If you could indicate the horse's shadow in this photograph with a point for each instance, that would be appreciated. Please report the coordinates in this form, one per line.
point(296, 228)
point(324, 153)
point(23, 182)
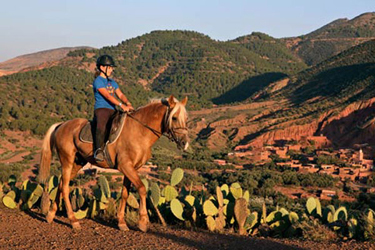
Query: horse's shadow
point(41, 217)
point(221, 241)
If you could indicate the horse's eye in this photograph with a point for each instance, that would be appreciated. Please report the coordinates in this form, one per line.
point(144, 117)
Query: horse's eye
point(174, 118)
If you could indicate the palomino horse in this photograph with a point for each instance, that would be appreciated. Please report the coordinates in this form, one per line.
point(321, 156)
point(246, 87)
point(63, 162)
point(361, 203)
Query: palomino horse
point(129, 152)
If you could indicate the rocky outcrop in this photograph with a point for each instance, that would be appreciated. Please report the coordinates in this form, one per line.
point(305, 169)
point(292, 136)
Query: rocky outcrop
point(342, 129)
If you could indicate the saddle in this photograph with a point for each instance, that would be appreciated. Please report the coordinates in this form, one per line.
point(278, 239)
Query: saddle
point(114, 126)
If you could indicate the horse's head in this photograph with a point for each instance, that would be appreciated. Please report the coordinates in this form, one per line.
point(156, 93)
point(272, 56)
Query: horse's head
point(176, 119)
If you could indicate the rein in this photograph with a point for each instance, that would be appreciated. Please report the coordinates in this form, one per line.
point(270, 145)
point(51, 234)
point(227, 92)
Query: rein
point(171, 133)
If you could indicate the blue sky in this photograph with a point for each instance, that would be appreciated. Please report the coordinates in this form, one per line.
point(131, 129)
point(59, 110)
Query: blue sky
point(30, 26)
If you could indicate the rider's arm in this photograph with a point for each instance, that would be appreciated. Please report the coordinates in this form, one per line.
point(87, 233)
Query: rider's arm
point(104, 92)
point(122, 97)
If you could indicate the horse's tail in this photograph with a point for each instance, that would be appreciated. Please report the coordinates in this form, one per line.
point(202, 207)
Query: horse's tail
point(45, 164)
point(46, 154)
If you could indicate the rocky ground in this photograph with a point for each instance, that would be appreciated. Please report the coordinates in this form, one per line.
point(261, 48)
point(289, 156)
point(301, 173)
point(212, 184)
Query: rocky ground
point(21, 230)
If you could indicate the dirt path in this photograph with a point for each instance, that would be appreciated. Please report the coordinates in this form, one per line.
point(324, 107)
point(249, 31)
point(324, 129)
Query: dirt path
point(20, 230)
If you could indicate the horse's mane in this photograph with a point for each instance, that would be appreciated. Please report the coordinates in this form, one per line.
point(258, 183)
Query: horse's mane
point(155, 104)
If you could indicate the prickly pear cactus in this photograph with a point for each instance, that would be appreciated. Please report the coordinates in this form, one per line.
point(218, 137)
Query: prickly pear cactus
point(12, 180)
point(246, 195)
point(318, 207)
point(80, 214)
point(35, 195)
point(225, 189)
point(132, 201)
point(9, 199)
point(340, 214)
point(293, 217)
point(240, 212)
point(154, 193)
point(145, 183)
point(311, 205)
point(190, 200)
point(251, 220)
point(209, 208)
point(220, 198)
point(211, 224)
point(177, 176)
point(93, 208)
point(170, 193)
point(53, 183)
point(104, 186)
point(236, 190)
point(352, 227)
point(264, 214)
point(177, 209)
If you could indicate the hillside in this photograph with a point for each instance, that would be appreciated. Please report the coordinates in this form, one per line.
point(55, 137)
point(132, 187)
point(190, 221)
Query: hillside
point(187, 63)
point(30, 60)
point(330, 98)
point(332, 38)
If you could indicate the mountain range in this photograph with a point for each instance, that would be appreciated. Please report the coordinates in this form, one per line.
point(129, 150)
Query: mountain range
point(267, 88)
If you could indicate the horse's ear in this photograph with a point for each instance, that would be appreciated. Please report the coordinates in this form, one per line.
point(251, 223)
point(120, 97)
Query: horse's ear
point(184, 101)
point(171, 101)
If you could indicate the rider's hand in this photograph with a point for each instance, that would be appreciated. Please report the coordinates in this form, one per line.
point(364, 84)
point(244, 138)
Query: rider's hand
point(126, 108)
point(130, 107)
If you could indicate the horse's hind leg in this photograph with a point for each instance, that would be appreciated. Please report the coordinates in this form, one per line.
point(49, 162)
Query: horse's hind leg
point(121, 208)
point(55, 205)
point(67, 166)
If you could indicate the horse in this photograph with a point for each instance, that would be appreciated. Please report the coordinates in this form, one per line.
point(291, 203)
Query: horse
point(142, 128)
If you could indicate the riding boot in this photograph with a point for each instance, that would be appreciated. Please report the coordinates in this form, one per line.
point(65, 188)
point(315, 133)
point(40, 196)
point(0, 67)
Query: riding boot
point(99, 146)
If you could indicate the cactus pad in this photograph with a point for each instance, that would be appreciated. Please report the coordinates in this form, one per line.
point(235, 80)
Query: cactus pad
point(211, 224)
point(170, 193)
point(177, 176)
point(132, 201)
point(155, 193)
point(177, 209)
point(236, 190)
point(311, 205)
point(209, 208)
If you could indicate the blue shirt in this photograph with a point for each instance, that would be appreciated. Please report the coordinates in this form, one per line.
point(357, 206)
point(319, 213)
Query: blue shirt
point(110, 85)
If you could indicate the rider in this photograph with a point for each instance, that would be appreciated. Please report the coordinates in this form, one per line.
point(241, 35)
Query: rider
point(105, 89)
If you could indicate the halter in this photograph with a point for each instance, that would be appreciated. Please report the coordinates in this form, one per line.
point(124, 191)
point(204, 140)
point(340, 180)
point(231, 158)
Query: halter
point(169, 133)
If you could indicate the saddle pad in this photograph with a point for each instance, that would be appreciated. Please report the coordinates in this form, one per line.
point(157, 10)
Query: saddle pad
point(86, 134)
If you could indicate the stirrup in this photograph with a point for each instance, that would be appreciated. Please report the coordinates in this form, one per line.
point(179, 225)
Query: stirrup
point(99, 155)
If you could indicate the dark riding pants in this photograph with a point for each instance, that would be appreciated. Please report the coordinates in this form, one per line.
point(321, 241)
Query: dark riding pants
point(101, 117)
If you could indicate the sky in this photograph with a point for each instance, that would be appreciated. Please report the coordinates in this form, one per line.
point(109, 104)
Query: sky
point(31, 26)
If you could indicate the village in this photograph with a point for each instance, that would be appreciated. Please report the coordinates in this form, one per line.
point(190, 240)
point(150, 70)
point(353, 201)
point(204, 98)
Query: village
point(348, 164)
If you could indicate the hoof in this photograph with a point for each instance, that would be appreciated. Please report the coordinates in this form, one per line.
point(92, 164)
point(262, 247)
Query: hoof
point(143, 227)
point(76, 225)
point(49, 217)
point(123, 227)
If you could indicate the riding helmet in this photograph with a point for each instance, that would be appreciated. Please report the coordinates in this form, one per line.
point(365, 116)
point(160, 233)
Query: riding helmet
point(105, 60)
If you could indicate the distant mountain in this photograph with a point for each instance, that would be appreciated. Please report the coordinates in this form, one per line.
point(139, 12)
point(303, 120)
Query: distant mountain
point(190, 63)
point(30, 60)
point(346, 76)
point(332, 38)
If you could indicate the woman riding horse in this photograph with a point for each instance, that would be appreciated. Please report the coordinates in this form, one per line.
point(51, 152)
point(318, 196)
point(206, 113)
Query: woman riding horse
point(105, 89)
point(129, 152)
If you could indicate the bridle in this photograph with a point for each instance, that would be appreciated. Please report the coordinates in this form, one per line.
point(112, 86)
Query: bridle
point(170, 133)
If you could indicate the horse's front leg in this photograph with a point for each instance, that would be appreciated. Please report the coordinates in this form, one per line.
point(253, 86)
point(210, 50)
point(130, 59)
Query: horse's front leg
point(133, 177)
point(121, 209)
